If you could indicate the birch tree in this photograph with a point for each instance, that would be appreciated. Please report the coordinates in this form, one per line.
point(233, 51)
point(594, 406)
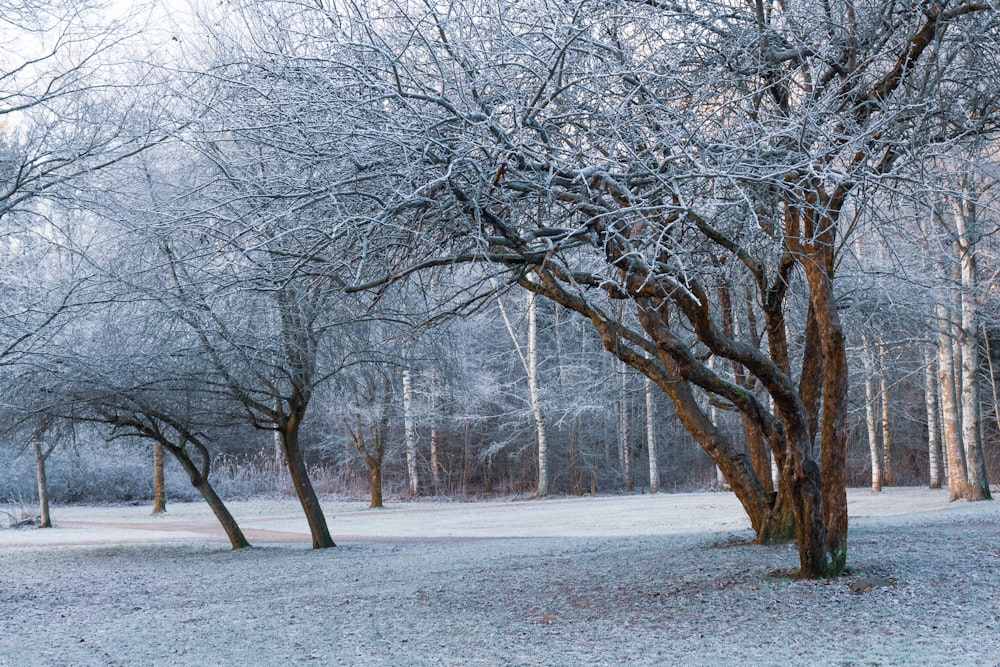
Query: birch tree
point(528, 355)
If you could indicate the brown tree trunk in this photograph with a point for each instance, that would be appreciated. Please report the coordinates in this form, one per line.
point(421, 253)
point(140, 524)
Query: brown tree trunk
point(825, 554)
point(45, 520)
point(303, 485)
point(759, 458)
point(200, 482)
point(159, 492)
point(375, 484)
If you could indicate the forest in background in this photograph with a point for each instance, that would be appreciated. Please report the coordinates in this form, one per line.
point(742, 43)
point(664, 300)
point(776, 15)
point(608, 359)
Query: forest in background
point(540, 248)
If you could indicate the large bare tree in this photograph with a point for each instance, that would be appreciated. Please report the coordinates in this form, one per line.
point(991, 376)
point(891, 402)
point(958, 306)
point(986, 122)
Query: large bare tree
point(653, 152)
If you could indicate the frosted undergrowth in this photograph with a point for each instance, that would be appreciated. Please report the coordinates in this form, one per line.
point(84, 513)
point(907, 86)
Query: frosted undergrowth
point(596, 581)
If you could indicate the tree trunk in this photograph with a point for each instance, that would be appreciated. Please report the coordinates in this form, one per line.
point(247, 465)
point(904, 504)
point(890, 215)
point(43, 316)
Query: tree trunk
point(957, 476)
point(529, 361)
point(45, 520)
point(303, 485)
point(435, 462)
point(871, 421)
point(219, 509)
point(886, 435)
point(542, 489)
point(375, 484)
point(159, 491)
point(933, 432)
point(825, 554)
point(624, 455)
point(654, 473)
point(410, 435)
point(978, 487)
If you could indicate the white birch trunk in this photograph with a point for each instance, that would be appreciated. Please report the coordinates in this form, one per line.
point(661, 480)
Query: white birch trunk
point(654, 473)
point(410, 435)
point(435, 463)
point(886, 440)
point(978, 488)
point(624, 460)
point(933, 432)
point(950, 421)
point(536, 404)
point(529, 361)
point(279, 453)
point(871, 419)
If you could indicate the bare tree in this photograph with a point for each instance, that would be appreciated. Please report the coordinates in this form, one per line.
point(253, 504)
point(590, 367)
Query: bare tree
point(662, 169)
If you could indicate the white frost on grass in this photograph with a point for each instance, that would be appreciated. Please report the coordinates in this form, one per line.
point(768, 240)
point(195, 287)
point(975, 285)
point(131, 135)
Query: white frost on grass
point(654, 580)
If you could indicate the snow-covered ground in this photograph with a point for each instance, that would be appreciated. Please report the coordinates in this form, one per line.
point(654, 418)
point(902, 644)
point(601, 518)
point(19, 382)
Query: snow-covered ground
point(652, 580)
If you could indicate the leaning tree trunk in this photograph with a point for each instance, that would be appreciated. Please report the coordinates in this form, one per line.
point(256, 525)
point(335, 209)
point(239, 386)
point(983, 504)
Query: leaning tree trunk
point(768, 517)
point(200, 481)
point(295, 459)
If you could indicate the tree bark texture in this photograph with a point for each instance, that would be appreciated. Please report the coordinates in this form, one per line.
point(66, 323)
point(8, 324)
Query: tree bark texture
point(933, 431)
point(410, 435)
point(871, 419)
point(654, 474)
point(978, 483)
point(950, 420)
point(886, 432)
point(159, 490)
point(542, 488)
point(41, 479)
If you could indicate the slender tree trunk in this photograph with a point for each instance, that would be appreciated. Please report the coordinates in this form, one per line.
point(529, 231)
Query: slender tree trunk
point(654, 473)
point(542, 489)
point(871, 419)
point(957, 477)
point(886, 435)
point(933, 432)
point(978, 487)
point(410, 434)
point(529, 361)
point(993, 377)
point(435, 462)
point(303, 485)
point(624, 455)
point(159, 490)
point(45, 520)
